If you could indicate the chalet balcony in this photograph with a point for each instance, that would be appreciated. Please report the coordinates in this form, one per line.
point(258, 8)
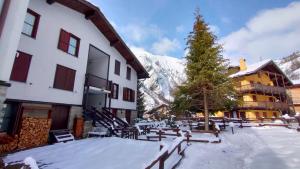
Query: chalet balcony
point(264, 105)
point(97, 82)
point(260, 88)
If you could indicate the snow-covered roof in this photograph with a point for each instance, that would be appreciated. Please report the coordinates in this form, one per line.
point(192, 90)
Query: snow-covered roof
point(252, 68)
point(296, 82)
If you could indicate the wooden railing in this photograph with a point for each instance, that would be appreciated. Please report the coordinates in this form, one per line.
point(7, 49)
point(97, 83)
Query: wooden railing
point(261, 88)
point(165, 153)
point(96, 81)
point(265, 105)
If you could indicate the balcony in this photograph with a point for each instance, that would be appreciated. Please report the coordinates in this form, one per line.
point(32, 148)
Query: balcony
point(260, 88)
point(96, 81)
point(264, 105)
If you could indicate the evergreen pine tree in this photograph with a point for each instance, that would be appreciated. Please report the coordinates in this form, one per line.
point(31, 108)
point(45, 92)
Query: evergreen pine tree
point(140, 100)
point(206, 71)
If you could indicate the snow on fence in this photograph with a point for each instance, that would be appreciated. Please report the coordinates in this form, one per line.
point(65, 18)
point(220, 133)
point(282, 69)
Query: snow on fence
point(168, 156)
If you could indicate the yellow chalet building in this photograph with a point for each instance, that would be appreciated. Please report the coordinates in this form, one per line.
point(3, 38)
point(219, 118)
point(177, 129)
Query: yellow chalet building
point(263, 90)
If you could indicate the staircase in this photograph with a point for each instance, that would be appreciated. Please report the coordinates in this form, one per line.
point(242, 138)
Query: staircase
point(106, 119)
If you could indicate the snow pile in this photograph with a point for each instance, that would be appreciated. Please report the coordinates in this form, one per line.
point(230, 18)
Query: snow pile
point(165, 74)
point(92, 153)
point(29, 161)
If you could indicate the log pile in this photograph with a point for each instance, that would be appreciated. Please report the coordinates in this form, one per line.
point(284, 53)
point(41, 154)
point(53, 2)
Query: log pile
point(10, 145)
point(34, 132)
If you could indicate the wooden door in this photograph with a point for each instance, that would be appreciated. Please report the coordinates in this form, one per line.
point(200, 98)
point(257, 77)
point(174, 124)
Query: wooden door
point(243, 115)
point(60, 117)
point(128, 116)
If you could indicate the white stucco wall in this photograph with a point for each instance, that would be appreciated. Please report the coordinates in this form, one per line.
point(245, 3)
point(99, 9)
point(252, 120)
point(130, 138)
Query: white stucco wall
point(46, 56)
point(11, 35)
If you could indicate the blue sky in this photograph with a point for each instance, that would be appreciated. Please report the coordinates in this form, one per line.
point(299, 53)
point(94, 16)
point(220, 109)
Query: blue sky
point(247, 28)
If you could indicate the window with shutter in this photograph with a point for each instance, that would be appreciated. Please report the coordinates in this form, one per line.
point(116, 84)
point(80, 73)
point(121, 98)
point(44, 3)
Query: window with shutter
point(125, 94)
point(115, 91)
point(31, 23)
point(64, 78)
point(132, 96)
point(68, 43)
point(128, 73)
point(117, 67)
point(21, 67)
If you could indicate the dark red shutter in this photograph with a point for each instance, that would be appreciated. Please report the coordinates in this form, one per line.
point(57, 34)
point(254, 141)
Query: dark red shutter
point(77, 46)
point(70, 79)
point(36, 22)
point(60, 74)
point(21, 67)
point(124, 93)
point(64, 39)
point(132, 95)
point(64, 78)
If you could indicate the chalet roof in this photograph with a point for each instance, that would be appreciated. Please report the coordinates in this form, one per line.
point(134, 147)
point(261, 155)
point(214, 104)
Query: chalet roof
point(251, 68)
point(156, 108)
point(94, 14)
point(267, 64)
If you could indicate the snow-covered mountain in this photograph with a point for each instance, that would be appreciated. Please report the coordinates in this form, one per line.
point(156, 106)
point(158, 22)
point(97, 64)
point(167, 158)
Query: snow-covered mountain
point(165, 74)
point(168, 72)
point(291, 65)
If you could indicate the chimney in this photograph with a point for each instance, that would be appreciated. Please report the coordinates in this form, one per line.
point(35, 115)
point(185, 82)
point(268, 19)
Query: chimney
point(243, 65)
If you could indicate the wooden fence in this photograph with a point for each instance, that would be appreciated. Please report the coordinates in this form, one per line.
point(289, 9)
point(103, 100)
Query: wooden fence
point(165, 154)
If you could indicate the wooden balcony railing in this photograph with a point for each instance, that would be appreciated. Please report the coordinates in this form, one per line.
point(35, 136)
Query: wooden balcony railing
point(261, 88)
point(265, 105)
point(96, 81)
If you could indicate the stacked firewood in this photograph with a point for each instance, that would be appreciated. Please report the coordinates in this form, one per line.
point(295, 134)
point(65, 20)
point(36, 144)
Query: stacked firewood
point(34, 132)
point(9, 145)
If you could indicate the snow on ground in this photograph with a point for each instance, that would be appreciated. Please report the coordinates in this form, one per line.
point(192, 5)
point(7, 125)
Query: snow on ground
point(248, 148)
point(92, 153)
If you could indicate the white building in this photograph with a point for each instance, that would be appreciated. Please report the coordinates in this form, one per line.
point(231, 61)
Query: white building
point(58, 57)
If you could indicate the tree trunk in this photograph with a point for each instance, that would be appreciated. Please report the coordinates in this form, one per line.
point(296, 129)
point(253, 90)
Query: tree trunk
point(205, 110)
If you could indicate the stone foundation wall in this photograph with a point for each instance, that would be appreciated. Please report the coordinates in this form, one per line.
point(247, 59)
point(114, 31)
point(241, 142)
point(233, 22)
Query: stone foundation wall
point(133, 116)
point(75, 111)
point(88, 125)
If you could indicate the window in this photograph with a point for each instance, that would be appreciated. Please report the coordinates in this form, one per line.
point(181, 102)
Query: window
point(31, 23)
point(128, 73)
point(257, 115)
point(254, 98)
point(271, 99)
point(117, 67)
point(68, 43)
point(265, 114)
point(64, 78)
point(115, 91)
point(21, 67)
point(275, 114)
point(128, 94)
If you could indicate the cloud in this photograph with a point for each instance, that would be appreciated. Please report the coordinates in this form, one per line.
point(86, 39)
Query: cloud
point(271, 33)
point(140, 32)
point(214, 29)
point(165, 45)
point(179, 28)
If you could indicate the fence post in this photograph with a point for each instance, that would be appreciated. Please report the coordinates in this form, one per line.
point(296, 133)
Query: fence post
point(161, 147)
point(179, 148)
point(162, 162)
point(159, 135)
point(187, 137)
